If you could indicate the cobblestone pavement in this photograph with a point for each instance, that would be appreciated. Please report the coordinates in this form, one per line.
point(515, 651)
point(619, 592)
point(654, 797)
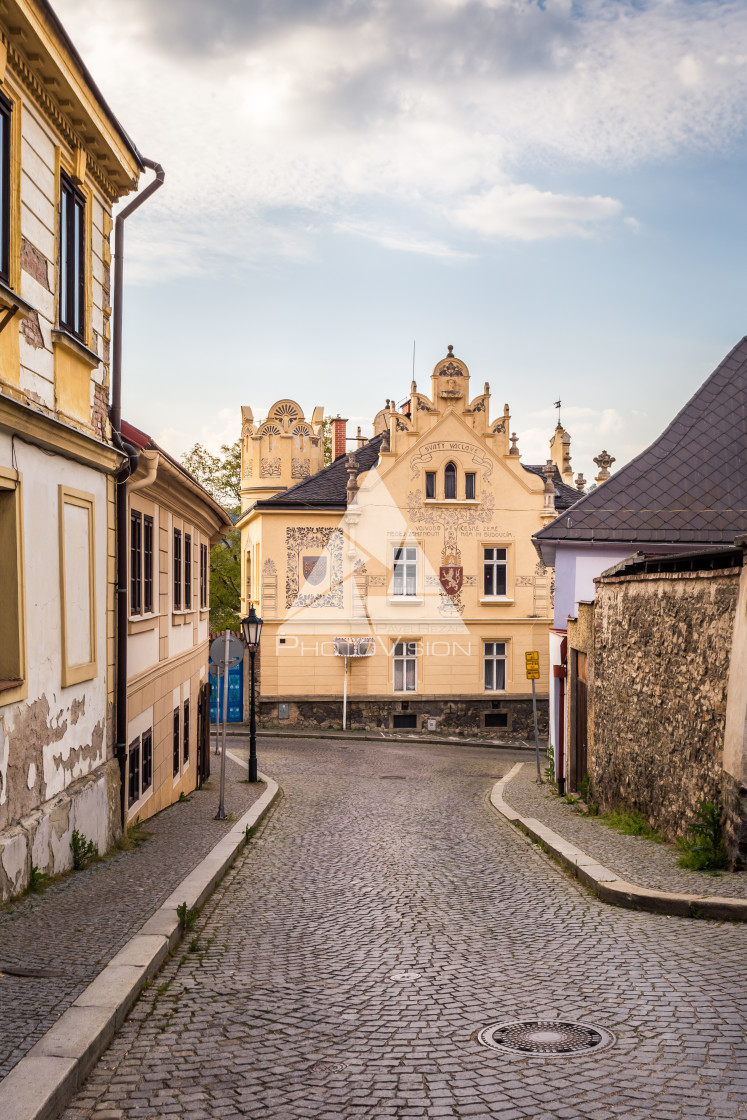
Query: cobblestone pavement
point(81, 921)
point(382, 915)
point(641, 861)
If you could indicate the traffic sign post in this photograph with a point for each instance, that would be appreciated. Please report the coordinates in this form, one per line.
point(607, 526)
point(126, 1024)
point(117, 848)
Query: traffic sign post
point(533, 672)
point(226, 653)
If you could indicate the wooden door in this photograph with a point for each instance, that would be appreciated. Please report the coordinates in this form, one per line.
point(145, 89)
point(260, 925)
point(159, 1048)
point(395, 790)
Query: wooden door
point(581, 716)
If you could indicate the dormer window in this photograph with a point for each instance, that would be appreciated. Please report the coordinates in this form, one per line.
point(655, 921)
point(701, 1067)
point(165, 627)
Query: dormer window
point(450, 475)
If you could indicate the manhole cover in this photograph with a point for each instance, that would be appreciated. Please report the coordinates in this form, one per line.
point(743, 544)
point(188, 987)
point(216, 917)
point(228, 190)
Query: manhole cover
point(404, 974)
point(545, 1036)
point(328, 1067)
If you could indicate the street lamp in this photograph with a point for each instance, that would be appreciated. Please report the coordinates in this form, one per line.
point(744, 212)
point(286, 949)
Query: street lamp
point(252, 629)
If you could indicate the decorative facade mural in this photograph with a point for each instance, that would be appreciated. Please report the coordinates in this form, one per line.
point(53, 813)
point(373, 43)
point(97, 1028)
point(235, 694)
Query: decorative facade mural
point(310, 540)
point(300, 468)
point(270, 468)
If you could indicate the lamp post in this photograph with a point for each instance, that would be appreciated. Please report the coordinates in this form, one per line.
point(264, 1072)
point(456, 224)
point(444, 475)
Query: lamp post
point(252, 630)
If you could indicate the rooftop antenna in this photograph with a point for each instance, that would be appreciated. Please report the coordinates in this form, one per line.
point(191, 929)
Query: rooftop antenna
point(557, 405)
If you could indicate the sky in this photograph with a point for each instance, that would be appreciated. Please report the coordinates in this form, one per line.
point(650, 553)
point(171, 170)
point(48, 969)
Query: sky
point(554, 187)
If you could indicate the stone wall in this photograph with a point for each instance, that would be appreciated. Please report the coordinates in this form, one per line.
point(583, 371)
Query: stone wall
point(657, 690)
point(461, 716)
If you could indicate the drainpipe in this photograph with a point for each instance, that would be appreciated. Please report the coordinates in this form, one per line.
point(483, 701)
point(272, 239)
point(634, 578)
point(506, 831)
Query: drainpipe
point(115, 417)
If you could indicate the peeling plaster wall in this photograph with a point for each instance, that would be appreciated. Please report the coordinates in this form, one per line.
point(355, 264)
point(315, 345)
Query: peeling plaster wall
point(56, 737)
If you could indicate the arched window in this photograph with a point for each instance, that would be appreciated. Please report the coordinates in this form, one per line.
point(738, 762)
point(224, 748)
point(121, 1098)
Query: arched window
point(450, 481)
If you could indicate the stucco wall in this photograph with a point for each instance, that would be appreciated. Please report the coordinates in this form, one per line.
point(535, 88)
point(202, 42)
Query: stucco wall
point(658, 683)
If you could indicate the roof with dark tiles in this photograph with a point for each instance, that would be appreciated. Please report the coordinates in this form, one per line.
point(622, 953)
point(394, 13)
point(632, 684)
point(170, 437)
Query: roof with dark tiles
point(688, 487)
point(327, 487)
point(565, 495)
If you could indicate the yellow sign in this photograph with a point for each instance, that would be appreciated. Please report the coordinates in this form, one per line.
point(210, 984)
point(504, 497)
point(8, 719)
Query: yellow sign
point(532, 661)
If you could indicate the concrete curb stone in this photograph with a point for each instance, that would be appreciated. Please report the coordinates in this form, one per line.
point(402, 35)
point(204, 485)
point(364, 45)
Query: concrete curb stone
point(607, 884)
point(44, 1081)
point(241, 731)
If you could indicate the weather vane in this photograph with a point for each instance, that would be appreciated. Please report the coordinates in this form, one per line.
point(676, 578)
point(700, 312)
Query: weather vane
point(557, 405)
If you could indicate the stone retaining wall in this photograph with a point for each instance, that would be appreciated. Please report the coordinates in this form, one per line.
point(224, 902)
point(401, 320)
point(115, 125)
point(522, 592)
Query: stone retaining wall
point(658, 686)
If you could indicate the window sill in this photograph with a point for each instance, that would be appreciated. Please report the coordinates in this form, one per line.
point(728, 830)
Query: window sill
point(137, 623)
point(451, 501)
point(496, 600)
point(405, 600)
point(178, 618)
point(67, 341)
point(11, 301)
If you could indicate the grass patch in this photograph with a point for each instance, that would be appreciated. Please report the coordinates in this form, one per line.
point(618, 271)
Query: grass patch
point(703, 847)
point(133, 836)
point(631, 824)
point(84, 851)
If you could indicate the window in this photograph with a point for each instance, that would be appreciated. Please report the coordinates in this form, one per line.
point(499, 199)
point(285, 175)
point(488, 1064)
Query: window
point(186, 732)
point(177, 569)
point(430, 484)
point(147, 760)
point(136, 559)
point(203, 576)
point(494, 656)
point(148, 564)
point(450, 481)
point(405, 666)
point(5, 190)
point(494, 571)
point(187, 572)
point(133, 776)
point(72, 257)
point(469, 486)
point(12, 646)
point(77, 538)
point(405, 581)
point(176, 743)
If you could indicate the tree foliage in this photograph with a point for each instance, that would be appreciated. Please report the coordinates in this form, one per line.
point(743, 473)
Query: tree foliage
point(221, 476)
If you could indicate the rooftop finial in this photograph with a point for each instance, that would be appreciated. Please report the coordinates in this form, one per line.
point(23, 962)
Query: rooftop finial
point(514, 441)
point(558, 405)
point(451, 352)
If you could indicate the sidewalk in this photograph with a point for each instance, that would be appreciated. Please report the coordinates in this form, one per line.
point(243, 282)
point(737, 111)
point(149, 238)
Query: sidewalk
point(629, 860)
point(66, 935)
point(241, 730)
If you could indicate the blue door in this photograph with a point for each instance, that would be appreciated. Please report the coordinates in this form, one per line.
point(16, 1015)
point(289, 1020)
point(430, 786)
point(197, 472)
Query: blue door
point(235, 697)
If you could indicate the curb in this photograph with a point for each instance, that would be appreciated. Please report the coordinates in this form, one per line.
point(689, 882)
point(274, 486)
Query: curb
point(45, 1079)
point(241, 732)
point(607, 885)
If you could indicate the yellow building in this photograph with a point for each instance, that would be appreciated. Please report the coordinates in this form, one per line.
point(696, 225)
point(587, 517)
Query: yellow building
point(64, 163)
point(420, 541)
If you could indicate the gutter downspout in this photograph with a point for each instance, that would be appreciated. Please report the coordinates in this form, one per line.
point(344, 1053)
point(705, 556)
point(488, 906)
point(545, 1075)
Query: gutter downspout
point(115, 417)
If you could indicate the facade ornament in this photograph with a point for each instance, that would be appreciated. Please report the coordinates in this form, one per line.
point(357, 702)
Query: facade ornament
point(604, 461)
point(548, 471)
point(580, 483)
point(514, 444)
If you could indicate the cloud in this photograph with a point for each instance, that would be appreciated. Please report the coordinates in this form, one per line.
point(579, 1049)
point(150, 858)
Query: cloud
point(418, 125)
point(528, 214)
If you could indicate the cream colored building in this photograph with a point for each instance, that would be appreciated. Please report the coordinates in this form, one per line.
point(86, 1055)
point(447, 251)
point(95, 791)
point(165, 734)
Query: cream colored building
point(173, 523)
point(65, 162)
point(421, 541)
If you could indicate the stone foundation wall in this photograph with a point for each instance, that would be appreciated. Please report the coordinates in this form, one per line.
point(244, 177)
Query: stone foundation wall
point(43, 837)
point(465, 716)
point(657, 689)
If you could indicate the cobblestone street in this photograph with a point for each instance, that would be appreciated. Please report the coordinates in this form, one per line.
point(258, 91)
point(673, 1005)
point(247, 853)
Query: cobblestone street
point(382, 916)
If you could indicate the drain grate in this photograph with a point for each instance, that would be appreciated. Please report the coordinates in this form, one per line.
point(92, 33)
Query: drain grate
point(327, 1067)
point(545, 1036)
point(392, 777)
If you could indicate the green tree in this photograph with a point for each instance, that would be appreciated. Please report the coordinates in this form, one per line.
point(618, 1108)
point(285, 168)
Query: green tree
point(221, 476)
point(327, 439)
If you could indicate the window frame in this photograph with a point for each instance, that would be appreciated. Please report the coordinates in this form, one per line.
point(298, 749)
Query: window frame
point(408, 657)
point(147, 736)
point(6, 187)
point(470, 482)
point(450, 472)
point(176, 743)
point(136, 562)
point(72, 293)
point(148, 531)
point(133, 772)
point(204, 577)
point(495, 563)
point(187, 588)
point(13, 659)
point(493, 659)
point(185, 732)
point(410, 566)
point(430, 484)
point(177, 569)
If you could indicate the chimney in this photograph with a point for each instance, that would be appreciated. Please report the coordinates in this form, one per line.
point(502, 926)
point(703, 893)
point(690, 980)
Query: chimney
point(338, 437)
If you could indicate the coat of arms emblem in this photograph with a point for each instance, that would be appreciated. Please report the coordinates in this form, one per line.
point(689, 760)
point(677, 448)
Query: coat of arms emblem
point(451, 575)
point(314, 569)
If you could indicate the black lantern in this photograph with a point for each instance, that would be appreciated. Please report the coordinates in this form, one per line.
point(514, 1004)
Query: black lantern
point(252, 628)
